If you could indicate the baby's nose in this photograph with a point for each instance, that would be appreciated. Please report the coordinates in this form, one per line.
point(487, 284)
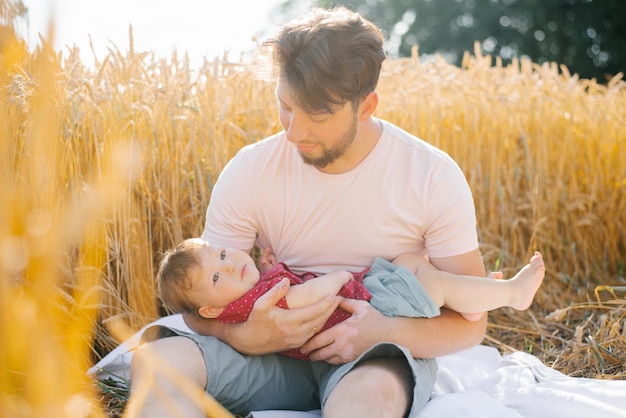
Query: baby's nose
point(230, 268)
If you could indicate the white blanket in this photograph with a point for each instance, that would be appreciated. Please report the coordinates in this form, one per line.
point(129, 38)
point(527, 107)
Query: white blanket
point(478, 382)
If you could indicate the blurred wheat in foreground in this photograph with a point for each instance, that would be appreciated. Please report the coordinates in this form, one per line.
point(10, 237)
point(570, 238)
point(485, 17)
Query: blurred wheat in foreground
point(104, 167)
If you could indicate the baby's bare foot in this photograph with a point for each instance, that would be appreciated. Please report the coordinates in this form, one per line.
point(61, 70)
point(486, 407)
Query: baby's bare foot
point(527, 281)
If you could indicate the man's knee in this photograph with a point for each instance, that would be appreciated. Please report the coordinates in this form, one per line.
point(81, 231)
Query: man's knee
point(388, 376)
point(168, 378)
point(378, 387)
point(178, 354)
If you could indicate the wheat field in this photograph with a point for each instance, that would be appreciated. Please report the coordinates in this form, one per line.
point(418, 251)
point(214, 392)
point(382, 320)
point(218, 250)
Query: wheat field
point(103, 166)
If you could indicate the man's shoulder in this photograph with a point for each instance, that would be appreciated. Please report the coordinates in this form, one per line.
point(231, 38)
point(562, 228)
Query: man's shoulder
point(266, 146)
point(410, 146)
point(260, 155)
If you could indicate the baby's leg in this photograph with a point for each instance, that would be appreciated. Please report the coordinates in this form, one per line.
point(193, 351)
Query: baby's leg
point(494, 275)
point(527, 281)
point(472, 296)
point(472, 316)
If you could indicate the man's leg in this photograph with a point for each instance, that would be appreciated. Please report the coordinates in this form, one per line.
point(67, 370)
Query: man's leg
point(160, 389)
point(171, 377)
point(385, 381)
point(375, 388)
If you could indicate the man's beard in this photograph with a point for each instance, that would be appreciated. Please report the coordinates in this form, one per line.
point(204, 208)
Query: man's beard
point(331, 155)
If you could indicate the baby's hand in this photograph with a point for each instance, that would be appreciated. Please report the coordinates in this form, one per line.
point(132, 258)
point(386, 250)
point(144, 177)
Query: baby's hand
point(267, 260)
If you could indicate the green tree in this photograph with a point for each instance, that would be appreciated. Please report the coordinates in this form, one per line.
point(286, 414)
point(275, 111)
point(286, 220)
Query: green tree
point(588, 36)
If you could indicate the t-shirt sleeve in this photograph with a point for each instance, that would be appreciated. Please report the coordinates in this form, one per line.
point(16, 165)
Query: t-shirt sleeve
point(230, 216)
point(452, 224)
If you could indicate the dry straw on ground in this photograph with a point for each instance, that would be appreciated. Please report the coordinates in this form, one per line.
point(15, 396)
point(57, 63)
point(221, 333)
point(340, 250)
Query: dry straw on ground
point(104, 167)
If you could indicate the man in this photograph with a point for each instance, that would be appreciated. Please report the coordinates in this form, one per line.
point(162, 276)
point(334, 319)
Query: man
point(335, 189)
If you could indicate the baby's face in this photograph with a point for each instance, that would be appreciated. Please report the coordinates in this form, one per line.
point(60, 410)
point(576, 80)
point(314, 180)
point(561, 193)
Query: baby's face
point(226, 275)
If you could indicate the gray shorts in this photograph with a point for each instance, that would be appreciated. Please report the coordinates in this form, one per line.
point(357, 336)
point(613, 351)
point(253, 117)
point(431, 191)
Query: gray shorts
point(244, 383)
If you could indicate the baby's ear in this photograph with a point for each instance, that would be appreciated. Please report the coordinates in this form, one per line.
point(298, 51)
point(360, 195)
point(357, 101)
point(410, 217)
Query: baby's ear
point(209, 312)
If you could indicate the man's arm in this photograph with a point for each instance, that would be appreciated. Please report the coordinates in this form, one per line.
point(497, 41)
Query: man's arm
point(424, 337)
point(469, 264)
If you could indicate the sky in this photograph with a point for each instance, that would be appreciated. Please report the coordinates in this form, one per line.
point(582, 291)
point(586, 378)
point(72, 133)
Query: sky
point(202, 28)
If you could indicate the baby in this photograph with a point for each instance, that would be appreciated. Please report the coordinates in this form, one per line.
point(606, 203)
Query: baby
point(223, 283)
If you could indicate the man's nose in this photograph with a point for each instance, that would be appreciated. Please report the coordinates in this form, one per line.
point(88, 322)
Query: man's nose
point(297, 130)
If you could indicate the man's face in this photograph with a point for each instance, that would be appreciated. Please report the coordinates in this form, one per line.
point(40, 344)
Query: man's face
point(321, 139)
point(226, 274)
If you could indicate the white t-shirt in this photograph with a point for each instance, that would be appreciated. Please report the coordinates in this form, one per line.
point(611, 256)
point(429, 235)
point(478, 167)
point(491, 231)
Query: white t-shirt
point(405, 196)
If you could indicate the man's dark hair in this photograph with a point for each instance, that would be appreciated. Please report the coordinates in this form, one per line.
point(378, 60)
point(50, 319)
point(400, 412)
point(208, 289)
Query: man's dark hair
point(328, 58)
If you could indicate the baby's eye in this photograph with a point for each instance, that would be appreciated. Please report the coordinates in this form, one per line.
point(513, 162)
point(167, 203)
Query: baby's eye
point(216, 277)
point(223, 255)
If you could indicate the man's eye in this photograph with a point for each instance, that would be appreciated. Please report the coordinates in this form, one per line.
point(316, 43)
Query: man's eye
point(216, 277)
point(318, 118)
point(223, 255)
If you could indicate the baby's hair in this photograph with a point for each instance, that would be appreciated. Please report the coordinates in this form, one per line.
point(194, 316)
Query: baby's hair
point(173, 279)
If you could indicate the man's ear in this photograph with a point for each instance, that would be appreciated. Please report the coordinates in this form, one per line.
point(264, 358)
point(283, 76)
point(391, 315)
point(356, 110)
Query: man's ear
point(209, 312)
point(368, 106)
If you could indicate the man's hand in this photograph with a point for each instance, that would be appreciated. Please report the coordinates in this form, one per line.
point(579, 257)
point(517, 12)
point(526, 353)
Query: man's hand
point(347, 340)
point(270, 329)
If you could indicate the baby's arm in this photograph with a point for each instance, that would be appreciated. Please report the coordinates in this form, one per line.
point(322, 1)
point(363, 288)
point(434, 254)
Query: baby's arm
point(316, 289)
point(267, 260)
